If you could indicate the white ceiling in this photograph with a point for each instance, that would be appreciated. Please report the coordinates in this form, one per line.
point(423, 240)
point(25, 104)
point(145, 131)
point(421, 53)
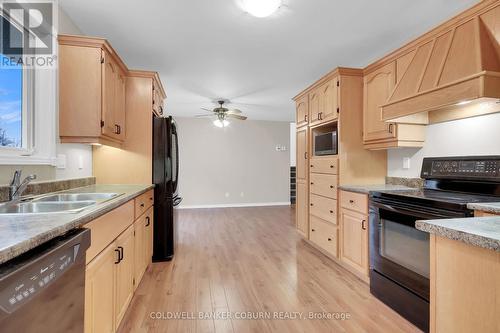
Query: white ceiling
point(205, 49)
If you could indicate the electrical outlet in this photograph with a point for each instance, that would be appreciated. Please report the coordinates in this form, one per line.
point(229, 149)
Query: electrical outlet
point(61, 161)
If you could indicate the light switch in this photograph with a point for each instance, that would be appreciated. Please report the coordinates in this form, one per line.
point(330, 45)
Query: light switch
point(406, 162)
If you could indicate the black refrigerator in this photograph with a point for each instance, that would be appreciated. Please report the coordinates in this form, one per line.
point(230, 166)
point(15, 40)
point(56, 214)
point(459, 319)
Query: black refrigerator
point(165, 178)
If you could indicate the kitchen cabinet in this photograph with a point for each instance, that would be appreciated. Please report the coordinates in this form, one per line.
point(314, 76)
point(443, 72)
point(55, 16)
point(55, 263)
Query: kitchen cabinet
point(323, 102)
point(302, 154)
point(378, 134)
point(121, 250)
point(158, 96)
point(143, 228)
point(354, 251)
point(92, 85)
point(124, 282)
point(324, 235)
point(99, 292)
point(302, 208)
point(302, 111)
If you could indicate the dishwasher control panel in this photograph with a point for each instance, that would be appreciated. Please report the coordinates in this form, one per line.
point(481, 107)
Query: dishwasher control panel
point(36, 277)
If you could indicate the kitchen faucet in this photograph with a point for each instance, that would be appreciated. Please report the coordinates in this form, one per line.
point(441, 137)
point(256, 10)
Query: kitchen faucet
point(17, 187)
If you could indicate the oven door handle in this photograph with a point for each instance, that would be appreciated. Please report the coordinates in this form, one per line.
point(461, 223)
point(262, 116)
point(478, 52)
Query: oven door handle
point(404, 210)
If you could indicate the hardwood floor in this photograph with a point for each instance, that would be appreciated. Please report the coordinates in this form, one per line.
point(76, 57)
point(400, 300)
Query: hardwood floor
point(250, 262)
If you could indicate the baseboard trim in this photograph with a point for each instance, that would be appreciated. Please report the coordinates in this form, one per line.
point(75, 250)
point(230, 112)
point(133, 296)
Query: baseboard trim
point(253, 204)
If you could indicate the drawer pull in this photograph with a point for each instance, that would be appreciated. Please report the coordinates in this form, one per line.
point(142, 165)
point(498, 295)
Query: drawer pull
point(331, 166)
point(311, 204)
point(142, 205)
point(312, 183)
point(329, 239)
point(331, 212)
point(312, 165)
point(363, 226)
point(331, 186)
point(151, 199)
point(351, 201)
point(313, 230)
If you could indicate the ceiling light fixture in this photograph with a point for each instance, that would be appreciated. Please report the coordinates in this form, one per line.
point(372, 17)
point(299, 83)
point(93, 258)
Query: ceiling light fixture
point(261, 8)
point(221, 123)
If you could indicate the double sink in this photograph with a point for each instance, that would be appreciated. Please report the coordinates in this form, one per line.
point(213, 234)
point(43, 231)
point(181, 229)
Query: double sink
point(56, 203)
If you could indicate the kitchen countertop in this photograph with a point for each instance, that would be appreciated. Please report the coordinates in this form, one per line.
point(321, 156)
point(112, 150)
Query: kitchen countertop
point(478, 231)
point(366, 189)
point(489, 207)
point(23, 232)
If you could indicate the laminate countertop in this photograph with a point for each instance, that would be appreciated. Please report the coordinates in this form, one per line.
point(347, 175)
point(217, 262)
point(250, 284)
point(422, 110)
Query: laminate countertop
point(20, 233)
point(478, 231)
point(366, 189)
point(489, 207)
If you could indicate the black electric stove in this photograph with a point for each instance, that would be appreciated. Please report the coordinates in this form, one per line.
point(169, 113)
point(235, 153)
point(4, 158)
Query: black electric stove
point(399, 253)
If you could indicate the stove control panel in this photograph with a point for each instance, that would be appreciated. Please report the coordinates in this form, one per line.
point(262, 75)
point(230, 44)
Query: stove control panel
point(487, 168)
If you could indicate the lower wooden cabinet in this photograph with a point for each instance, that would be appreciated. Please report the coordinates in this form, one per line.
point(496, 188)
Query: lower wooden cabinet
point(124, 282)
point(113, 274)
point(354, 248)
point(99, 292)
point(302, 208)
point(325, 235)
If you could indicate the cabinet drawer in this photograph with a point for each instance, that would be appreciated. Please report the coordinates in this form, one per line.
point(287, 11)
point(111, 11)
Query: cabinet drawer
point(325, 235)
point(354, 201)
point(324, 165)
point(106, 228)
point(324, 208)
point(323, 184)
point(143, 202)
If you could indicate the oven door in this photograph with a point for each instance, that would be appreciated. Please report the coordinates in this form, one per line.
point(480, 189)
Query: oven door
point(398, 250)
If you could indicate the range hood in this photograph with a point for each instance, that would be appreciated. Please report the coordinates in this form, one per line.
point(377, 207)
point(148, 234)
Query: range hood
point(452, 76)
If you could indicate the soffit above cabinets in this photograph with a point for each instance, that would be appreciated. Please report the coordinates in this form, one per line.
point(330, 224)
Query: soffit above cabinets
point(455, 74)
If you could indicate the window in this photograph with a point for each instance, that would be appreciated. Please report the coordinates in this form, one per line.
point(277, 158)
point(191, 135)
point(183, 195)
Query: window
point(16, 107)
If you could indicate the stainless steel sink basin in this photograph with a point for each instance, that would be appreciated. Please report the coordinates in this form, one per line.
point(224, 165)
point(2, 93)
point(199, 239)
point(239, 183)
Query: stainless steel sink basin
point(73, 197)
point(44, 207)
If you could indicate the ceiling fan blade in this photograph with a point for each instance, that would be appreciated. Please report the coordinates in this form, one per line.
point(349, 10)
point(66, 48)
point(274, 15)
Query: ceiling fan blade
point(207, 109)
point(234, 111)
point(204, 115)
point(236, 116)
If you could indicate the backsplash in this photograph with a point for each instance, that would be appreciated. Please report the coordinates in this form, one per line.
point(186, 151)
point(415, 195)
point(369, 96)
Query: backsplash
point(36, 188)
point(410, 182)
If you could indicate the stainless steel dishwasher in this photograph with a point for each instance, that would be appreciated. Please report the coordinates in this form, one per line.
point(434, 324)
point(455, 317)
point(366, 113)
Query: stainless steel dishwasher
point(44, 289)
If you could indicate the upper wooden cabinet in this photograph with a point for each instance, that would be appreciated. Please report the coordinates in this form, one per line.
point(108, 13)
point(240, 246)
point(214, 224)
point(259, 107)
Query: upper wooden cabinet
point(378, 134)
point(158, 96)
point(302, 111)
point(92, 81)
point(323, 102)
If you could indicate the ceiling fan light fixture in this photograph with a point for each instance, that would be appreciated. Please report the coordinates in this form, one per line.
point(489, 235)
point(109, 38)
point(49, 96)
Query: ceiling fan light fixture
point(261, 8)
point(221, 123)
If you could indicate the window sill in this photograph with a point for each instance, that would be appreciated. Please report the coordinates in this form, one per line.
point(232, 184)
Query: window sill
point(27, 160)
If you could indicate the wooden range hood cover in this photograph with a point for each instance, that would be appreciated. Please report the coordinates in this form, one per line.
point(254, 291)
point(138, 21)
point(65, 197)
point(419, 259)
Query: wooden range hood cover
point(460, 64)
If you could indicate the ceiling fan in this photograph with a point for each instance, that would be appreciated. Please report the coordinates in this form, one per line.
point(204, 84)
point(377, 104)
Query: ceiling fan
point(222, 114)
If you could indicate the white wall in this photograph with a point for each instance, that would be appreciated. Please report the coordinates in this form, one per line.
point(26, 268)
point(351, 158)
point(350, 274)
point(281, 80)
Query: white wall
point(473, 136)
point(233, 166)
point(78, 156)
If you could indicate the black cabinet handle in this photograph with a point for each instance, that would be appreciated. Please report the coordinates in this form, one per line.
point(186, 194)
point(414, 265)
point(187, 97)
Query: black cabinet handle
point(331, 212)
point(305, 118)
point(363, 226)
point(118, 129)
point(313, 230)
point(311, 204)
point(119, 256)
point(312, 183)
point(142, 205)
point(329, 239)
point(305, 155)
point(121, 252)
point(331, 167)
point(391, 128)
point(148, 220)
point(331, 186)
point(351, 201)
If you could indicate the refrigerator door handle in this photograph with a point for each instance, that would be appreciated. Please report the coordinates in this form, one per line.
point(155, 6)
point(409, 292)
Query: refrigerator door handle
point(177, 201)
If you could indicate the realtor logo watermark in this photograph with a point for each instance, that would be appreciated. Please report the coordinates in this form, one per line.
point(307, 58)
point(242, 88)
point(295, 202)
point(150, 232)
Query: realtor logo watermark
point(28, 34)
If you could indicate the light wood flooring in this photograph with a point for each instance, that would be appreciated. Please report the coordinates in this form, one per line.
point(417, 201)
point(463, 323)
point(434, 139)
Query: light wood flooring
point(251, 262)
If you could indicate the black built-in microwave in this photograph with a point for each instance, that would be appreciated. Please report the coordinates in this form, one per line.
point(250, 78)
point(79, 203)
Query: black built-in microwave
point(325, 143)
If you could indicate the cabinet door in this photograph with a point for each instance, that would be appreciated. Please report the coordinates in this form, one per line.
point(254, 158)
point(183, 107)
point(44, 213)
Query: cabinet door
point(302, 108)
point(148, 236)
point(99, 292)
point(302, 154)
point(354, 252)
point(302, 208)
point(109, 78)
point(119, 116)
point(124, 273)
point(314, 107)
point(378, 87)
point(329, 100)
point(139, 249)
